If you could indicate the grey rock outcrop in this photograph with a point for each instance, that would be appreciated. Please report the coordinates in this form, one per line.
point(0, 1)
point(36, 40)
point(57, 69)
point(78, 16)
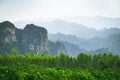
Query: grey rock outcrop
point(32, 38)
point(7, 37)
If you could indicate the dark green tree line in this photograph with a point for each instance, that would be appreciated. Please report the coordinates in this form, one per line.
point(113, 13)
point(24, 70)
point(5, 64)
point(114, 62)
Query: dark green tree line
point(30, 66)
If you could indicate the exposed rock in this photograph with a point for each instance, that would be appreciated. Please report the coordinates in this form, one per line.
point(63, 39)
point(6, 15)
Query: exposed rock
point(71, 49)
point(32, 38)
point(7, 37)
point(56, 47)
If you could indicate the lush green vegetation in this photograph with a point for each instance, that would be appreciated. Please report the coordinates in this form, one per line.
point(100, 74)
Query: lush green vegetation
point(29, 66)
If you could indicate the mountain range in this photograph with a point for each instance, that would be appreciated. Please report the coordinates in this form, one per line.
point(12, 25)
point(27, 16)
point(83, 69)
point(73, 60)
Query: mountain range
point(33, 39)
point(97, 22)
point(68, 37)
point(105, 41)
point(82, 27)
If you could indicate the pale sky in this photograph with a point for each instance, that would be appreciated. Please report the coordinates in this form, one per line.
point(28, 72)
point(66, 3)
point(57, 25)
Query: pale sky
point(15, 10)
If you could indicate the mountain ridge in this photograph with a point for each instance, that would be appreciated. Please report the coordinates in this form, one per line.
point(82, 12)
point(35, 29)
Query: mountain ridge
point(23, 39)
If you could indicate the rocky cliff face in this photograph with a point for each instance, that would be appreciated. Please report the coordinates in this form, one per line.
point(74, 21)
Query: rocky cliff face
point(32, 38)
point(56, 47)
point(71, 49)
point(7, 37)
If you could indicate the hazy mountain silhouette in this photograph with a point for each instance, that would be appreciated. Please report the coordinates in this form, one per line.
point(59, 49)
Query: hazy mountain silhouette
point(69, 28)
point(105, 40)
point(76, 25)
point(89, 39)
point(98, 21)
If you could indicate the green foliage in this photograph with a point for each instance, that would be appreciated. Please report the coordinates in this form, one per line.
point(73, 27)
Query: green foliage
point(30, 66)
point(14, 52)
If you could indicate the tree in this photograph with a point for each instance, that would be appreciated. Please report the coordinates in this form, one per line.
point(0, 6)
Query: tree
point(14, 52)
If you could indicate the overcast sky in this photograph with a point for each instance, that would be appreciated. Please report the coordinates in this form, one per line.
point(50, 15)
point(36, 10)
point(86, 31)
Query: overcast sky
point(15, 10)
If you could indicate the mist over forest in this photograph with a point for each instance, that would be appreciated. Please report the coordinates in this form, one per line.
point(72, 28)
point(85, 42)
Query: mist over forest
point(59, 39)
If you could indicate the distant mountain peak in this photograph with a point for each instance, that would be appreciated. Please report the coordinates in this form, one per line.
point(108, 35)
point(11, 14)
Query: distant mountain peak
point(7, 24)
point(32, 27)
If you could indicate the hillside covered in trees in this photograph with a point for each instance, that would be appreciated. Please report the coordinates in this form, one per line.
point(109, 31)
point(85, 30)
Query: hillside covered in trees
point(30, 66)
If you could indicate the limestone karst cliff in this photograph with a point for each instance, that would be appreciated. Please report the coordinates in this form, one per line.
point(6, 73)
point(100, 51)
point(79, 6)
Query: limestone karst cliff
point(8, 38)
point(32, 38)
